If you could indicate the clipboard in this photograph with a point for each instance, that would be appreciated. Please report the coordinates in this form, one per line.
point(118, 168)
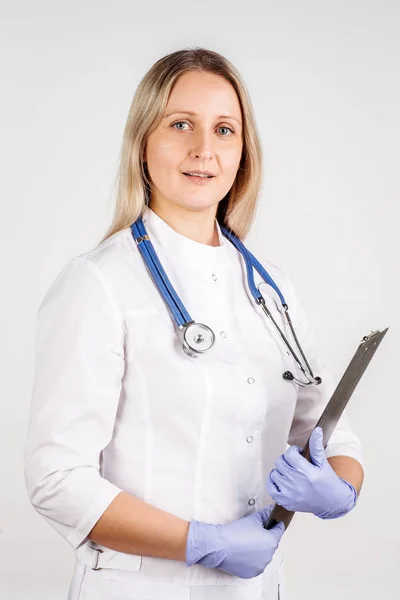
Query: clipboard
point(335, 407)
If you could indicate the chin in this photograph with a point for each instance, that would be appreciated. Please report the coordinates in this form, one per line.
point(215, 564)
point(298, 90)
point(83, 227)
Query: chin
point(198, 204)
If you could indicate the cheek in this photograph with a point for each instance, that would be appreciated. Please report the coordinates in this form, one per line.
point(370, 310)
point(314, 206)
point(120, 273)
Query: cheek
point(231, 160)
point(163, 154)
point(163, 158)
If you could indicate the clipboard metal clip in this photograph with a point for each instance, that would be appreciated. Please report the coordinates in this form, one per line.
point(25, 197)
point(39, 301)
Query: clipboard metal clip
point(369, 337)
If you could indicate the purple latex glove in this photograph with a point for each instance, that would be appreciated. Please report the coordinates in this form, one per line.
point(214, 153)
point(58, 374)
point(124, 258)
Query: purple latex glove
point(242, 547)
point(299, 485)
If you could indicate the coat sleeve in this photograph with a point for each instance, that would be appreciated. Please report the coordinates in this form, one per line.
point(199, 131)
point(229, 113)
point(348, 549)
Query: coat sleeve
point(312, 400)
point(79, 364)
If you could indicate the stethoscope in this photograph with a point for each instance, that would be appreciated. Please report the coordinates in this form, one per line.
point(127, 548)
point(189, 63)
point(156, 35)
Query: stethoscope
point(197, 338)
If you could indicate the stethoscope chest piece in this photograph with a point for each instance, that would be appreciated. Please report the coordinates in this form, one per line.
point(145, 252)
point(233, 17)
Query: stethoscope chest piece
point(197, 338)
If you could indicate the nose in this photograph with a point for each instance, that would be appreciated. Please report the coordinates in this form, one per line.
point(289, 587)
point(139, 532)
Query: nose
point(202, 146)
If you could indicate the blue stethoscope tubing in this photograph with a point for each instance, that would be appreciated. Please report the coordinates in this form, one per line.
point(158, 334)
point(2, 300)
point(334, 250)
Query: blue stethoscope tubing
point(197, 338)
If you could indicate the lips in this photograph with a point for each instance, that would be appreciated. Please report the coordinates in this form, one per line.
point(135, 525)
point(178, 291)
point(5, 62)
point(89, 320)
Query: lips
point(198, 180)
point(201, 175)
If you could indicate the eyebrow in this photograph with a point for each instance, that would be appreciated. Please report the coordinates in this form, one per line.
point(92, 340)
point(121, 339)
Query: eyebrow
point(193, 114)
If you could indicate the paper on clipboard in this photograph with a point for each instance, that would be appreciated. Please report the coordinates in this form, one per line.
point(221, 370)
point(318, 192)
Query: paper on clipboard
point(335, 407)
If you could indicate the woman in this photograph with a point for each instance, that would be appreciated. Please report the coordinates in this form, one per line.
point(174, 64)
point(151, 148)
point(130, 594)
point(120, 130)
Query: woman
point(156, 466)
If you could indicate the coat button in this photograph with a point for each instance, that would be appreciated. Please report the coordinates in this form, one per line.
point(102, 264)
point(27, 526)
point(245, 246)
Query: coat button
point(223, 334)
point(251, 501)
point(249, 439)
point(214, 276)
point(250, 380)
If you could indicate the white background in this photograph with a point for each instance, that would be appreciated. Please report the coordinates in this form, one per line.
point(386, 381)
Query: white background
point(324, 80)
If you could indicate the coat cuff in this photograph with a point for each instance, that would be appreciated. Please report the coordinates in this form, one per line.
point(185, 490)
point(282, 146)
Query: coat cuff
point(79, 536)
point(344, 450)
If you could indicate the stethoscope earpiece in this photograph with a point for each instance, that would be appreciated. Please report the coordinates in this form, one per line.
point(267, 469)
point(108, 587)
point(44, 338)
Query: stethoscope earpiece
point(288, 376)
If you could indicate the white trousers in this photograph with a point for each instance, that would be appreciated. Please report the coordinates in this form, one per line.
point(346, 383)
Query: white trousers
point(88, 584)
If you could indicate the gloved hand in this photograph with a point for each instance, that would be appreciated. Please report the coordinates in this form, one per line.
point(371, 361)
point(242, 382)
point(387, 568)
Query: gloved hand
point(242, 547)
point(298, 485)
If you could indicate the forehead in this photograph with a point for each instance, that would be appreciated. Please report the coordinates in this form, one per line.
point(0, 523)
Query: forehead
point(204, 93)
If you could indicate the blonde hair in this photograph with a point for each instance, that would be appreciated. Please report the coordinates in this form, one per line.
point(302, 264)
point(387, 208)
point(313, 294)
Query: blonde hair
point(236, 210)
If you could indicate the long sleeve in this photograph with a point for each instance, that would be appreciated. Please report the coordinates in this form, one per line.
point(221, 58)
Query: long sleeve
point(79, 364)
point(311, 400)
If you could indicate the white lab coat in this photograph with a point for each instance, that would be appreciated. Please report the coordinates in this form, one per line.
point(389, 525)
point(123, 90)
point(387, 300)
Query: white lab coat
point(117, 405)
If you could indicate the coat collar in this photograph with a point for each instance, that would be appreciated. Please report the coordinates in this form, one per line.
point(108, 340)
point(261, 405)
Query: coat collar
point(181, 247)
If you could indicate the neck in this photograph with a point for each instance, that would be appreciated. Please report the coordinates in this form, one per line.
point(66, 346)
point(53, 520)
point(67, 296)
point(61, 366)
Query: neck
point(195, 225)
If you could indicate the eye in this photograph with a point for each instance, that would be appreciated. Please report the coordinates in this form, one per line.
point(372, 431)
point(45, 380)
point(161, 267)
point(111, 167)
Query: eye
point(185, 122)
point(228, 128)
point(178, 123)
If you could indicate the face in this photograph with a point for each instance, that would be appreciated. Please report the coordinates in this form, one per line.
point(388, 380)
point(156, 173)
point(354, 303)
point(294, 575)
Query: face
point(204, 141)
